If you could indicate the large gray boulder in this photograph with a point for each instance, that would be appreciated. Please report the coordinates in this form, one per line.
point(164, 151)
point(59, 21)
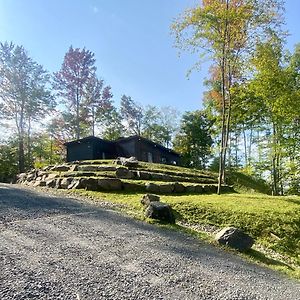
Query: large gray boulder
point(132, 187)
point(90, 184)
point(160, 211)
point(125, 173)
point(110, 184)
point(235, 238)
point(209, 189)
point(143, 175)
point(179, 188)
point(166, 188)
point(65, 182)
point(130, 162)
point(152, 188)
point(148, 198)
point(51, 183)
point(21, 177)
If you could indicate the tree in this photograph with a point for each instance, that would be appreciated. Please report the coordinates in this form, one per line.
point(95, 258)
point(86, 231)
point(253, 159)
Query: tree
point(71, 82)
point(194, 139)
point(132, 115)
point(159, 124)
point(9, 160)
point(47, 150)
point(112, 124)
point(97, 101)
point(275, 83)
point(24, 93)
point(226, 31)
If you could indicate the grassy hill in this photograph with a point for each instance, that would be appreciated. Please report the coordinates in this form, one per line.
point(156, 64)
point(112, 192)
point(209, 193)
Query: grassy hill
point(274, 222)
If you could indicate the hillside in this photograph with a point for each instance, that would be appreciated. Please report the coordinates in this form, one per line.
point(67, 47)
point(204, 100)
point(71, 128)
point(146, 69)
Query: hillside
point(274, 222)
point(106, 175)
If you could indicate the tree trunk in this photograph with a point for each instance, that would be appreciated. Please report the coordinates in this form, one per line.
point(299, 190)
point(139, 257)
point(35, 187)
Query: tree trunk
point(21, 154)
point(275, 162)
point(250, 146)
point(77, 116)
point(29, 158)
point(245, 145)
point(223, 131)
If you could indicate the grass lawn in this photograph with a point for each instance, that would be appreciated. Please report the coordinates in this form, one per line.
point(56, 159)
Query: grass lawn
point(274, 222)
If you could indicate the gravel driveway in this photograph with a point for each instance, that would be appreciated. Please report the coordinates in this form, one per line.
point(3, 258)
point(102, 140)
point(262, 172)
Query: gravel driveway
point(60, 248)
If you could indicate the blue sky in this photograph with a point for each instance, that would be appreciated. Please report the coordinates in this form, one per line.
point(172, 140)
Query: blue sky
point(130, 38)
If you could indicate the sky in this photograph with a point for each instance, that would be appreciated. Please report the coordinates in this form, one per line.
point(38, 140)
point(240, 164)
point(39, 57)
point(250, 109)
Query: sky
point(131, 40)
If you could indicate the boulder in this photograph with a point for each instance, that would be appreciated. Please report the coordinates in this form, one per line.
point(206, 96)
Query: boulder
point(75, 184)
point(122, 172)
point(235, 238)
point(133, 187)
point(110, 184)
point(131, 162)
point(179, 188)
point(30, 177)
point(91, 184)
point(51, 176)
point(190, 189)
point(227, 189)
point(209, 189)
point(157, 176)
point(199, 189)
point(166, 188)
point(152, 188)
point(57, 183)
point(160, 211)
point(51, 183)
point(21, 177)
point(91, 168)
point(65, 182)
point(73, 168)
point(60, 168)
point(143, 175)
point(35, 183)
point(148, 198)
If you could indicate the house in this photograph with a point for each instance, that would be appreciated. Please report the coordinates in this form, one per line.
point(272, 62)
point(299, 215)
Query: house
point(143, 149)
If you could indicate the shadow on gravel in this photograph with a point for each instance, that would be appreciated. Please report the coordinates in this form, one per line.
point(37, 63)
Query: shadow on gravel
point(21, 204)
point(266, 260)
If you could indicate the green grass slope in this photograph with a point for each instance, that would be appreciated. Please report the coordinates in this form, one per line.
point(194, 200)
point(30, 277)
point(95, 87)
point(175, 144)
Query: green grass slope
point(274, 222)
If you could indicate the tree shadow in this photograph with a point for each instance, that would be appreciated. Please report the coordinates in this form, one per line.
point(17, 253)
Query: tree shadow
point(261, 257)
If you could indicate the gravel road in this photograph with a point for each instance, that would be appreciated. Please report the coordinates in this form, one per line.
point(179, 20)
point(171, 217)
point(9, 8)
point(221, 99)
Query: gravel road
point(59, 248)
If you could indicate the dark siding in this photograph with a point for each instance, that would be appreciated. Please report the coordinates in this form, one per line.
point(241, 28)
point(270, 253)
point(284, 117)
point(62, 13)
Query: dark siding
point(104, 150)
point(80, 151)
point(142, 149)
point(128, 148)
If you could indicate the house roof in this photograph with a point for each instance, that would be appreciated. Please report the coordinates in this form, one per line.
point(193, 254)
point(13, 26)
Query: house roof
point(86, 139)
point(136, 137)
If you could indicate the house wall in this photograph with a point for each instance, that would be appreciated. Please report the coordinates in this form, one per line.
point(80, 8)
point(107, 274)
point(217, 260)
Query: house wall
point(138, 147)
point(104, 150)
point(80, 151)
point(145, 151)
point(128, 148)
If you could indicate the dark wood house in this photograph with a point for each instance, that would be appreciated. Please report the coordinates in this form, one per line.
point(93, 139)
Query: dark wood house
point(139, 147)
